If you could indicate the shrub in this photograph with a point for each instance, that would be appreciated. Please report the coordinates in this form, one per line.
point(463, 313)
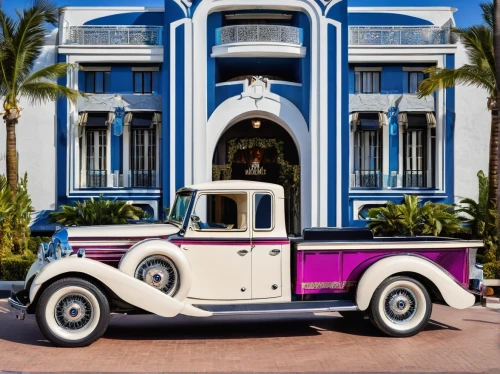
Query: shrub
point(97, 212)
point(15, 216)
point(483, 221)
point(15, 267)
point(411, 219)
point(35, 241)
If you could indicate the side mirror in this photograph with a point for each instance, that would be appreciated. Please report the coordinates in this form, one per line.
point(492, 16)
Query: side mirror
point(195, 219)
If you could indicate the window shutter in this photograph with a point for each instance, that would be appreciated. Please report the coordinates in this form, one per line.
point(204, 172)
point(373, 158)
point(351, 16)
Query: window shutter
point(382, 118)
point(403, 119)
point(431, 120)
point(354, 121)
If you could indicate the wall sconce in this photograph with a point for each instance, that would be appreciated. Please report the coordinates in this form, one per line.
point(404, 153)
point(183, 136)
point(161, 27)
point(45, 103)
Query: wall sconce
point(256, 124)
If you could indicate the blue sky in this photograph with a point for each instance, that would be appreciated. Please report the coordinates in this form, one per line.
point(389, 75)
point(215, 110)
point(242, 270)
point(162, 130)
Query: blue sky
point(468, 13)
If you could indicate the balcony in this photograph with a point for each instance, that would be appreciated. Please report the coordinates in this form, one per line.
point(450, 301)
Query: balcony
point(114, 35)
point(375, 35)
point(259, 41)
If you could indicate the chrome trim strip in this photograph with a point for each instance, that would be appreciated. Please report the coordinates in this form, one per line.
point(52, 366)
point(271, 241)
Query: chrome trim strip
point(288, 311)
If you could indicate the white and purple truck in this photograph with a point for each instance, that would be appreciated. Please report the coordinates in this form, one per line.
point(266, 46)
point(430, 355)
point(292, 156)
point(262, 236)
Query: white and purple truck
point(224, 250)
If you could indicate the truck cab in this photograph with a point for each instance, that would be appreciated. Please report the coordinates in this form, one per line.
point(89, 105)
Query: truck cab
point(234, 236)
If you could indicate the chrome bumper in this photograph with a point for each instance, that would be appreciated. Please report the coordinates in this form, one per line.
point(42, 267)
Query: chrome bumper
point(16, 302)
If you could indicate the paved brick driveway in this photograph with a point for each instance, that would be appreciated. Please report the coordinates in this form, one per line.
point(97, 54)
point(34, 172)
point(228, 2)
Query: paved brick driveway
point(459, 341)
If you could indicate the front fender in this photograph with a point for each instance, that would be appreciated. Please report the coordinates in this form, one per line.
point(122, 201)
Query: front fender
point(453, 293)
point(151, 247)
point(129, 289)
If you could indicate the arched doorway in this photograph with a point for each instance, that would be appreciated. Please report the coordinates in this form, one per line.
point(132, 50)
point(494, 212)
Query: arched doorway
point(259, 149)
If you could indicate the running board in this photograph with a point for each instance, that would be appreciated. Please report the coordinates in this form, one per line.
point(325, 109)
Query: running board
point(280, 308)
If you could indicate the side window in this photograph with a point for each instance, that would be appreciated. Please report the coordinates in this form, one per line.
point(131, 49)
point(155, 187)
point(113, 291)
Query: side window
point(220, 212)
point(263, 205)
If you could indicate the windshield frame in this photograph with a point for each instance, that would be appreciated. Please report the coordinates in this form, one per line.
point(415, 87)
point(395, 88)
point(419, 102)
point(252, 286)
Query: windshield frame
point(182, 222)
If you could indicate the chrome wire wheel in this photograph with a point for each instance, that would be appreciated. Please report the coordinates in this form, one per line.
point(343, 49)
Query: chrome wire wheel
point(159, 272)
point(400, 305)
point(74, 312)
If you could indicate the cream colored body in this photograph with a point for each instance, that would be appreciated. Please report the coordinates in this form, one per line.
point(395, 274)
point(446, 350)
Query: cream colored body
point(245, 265)
point(454, 295)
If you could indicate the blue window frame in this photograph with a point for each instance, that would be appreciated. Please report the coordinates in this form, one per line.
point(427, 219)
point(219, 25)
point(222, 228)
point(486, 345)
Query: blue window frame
point(143, 82)
point(96, 81)
point(414, 80)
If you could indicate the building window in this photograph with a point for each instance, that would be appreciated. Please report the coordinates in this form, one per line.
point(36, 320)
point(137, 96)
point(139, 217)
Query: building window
point(96, 81)
point(143, 151)
point(419, 151)
point(94, 150)
point(368, 151)
point(143, 82)
point(367, 82)
point(414, 80)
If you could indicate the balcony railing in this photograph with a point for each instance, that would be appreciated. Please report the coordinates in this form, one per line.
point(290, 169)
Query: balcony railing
point(259, 33)
point(114, 35)
point(374, 35)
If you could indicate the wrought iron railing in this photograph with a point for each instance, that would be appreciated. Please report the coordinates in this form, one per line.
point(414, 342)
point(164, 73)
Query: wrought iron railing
point(114, 35)
point(258, 33)
point(375, 35)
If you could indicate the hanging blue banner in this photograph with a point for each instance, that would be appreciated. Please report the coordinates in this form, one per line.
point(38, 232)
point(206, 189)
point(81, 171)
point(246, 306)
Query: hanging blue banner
point(392, 115)
point(118, 122)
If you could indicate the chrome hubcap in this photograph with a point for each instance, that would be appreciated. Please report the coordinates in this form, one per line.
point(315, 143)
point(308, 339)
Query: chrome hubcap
point(400, 305)
point(74, 312)
point(159, 272)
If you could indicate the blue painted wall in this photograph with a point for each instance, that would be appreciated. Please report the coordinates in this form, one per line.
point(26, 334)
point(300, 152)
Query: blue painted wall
point(385, 19)
point(393, 79)
point(121, 80)
point(132, 18)
point(61, 142)
point(173, 14)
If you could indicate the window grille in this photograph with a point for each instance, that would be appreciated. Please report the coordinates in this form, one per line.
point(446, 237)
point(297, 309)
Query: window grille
point(96, 148)
point(143, 162)
point(367, 158)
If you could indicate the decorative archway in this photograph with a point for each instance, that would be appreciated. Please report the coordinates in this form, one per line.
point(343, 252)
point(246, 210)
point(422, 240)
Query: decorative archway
point(276, 109)
point(266, 153)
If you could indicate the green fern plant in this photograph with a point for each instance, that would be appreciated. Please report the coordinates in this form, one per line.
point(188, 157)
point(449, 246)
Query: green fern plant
point(412, 219)
point(97, 212)
point(483, 222)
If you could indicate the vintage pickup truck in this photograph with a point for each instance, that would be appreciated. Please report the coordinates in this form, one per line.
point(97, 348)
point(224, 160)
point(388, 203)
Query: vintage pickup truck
point(224, 250)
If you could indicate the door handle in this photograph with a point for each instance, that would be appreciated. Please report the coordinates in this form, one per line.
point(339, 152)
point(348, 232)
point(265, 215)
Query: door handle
point(274, 252)
point(242, 252)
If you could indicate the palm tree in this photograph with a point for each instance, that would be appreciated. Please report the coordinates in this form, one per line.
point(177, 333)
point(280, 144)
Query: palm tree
point(481, 72)
point(21, 42)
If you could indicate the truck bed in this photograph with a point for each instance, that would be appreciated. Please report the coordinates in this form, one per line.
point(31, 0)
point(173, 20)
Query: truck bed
point(332, 260)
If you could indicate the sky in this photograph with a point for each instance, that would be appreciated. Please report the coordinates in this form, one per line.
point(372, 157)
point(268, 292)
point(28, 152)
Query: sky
point(468, 13)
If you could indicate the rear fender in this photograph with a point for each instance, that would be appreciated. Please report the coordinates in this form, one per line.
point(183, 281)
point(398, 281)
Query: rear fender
point(453, 293)
point(127, 288)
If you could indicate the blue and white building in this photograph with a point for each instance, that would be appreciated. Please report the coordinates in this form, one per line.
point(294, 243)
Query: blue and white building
point(311, 94)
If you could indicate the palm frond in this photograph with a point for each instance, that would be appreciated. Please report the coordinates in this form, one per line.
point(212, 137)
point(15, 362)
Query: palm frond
point(488, 12)
point(478, 42)
point(50, 73)
point(466, 75)
point(39, 92)
point(23, 41)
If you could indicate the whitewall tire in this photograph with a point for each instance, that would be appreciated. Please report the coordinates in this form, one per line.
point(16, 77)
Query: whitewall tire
point(72, 312)
point(400, 307)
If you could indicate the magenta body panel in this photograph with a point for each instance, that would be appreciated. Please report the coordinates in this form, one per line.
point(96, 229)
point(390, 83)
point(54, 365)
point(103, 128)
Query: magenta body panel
point(338, 271)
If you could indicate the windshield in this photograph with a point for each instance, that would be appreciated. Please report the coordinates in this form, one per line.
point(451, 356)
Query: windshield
point(180, 207)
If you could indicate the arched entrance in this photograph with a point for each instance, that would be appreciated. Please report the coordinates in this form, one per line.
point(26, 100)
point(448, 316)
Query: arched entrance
point(259, 149)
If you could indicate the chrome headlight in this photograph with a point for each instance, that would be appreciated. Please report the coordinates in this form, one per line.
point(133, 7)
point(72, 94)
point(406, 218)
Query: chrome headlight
point(42, 251)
